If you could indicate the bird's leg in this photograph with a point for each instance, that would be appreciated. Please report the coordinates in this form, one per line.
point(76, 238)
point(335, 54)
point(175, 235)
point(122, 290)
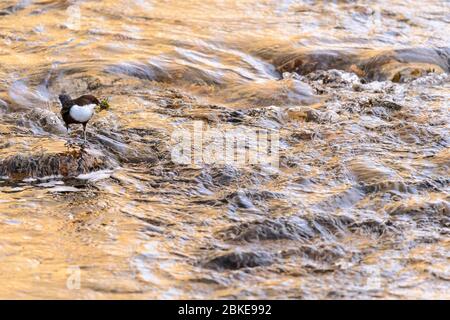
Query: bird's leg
point(68, 143)
point(84, 131)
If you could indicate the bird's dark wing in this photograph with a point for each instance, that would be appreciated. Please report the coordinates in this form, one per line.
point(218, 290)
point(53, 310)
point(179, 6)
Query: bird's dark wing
point(85, 100)
point(65, 113)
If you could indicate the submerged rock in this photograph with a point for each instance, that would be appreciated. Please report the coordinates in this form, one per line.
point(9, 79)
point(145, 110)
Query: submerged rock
point(290, 229)
point(284, 92)
point(401, 65)
point(235, 260)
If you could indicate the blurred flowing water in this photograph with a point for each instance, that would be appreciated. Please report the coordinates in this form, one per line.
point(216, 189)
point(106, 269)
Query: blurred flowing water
point(357, 90)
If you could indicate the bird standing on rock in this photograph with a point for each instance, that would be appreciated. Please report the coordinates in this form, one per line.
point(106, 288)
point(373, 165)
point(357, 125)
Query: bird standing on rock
point(80, 110)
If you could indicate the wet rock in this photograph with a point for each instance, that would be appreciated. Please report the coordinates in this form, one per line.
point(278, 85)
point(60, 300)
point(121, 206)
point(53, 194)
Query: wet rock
point(307, 62)
point(224, 176)
point(235, 116)
point(249, 199)
point(384, 186)
point(404, 64)
point(417, 206)
point(417, 134)
point(304, 134)
point(235, 260)
point(328, 226)
point(283, 228)
point(324, 253)
point(66, 164)
point(371, 226)
point(47, 120)
point(37, 120)
point(94, 84)
point(312, 115)
point(306, 228)
point(430, 216)
point(381, 103)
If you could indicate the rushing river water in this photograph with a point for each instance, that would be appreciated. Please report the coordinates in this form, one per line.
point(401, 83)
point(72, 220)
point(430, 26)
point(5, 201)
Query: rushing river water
point(357, 93)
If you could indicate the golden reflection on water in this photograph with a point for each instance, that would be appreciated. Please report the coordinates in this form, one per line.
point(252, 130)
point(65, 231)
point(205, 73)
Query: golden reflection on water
point(369, 183)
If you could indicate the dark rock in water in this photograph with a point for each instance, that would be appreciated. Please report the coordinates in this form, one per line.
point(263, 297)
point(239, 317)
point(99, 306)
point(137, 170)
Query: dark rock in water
point(66, 164)
point(307, 62)
point(235, 260)
point(405, 64)
point(225, 176)
point(435, 56)
point(372, 226)
point(322, 253)
point(312, 115)
point(303, 229)
point(289, 229)
point(387, 104)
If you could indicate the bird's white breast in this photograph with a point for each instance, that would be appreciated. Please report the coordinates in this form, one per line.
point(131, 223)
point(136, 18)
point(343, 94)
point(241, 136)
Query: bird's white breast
point(82, 113)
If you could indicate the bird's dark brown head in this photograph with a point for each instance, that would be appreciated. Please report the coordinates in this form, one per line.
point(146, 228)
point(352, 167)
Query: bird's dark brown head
point(64, 99)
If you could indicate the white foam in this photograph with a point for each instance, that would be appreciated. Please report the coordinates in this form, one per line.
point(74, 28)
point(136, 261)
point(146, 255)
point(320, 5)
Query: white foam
point(95, 175)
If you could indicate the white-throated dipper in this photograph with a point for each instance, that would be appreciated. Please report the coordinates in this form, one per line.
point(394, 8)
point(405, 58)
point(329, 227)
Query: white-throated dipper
point(80, 110)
